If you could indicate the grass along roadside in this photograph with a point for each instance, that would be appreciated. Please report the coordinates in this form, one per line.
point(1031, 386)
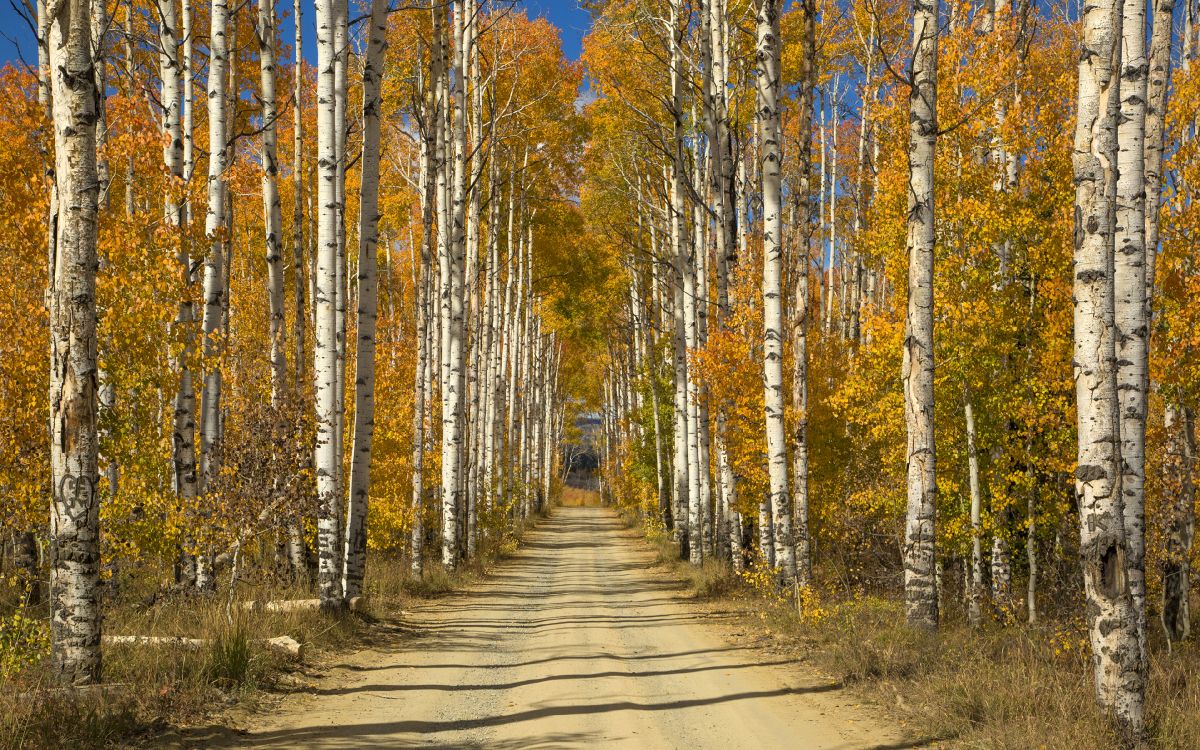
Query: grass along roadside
point(1006, 688)
point(149, 690)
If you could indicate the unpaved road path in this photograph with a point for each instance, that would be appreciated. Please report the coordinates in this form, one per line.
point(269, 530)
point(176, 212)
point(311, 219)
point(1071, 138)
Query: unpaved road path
point(573, 643)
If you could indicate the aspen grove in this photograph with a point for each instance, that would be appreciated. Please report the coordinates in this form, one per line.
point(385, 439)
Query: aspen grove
point(852, 301)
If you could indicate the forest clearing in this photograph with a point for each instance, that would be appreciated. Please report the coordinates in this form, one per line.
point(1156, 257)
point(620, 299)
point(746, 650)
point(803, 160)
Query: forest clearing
point(644, 373)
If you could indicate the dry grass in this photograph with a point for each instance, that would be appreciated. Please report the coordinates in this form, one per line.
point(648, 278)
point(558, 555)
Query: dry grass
point(1001, 688)
point(163, 686)
point(573, 497)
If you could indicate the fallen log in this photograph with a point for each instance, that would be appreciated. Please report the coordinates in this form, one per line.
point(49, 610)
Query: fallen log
point(282, 644)
point(295, 605)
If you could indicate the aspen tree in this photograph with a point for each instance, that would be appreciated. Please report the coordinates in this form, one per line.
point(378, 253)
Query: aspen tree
point(425, 119)
point(1178, 421)
point(75, 504)
point(215, 230)
point(343, 51)
point(325, 362)
point(800, 295)
point(975, 593)
point(453, 309)
point(298, 196)
point(769, 133)
point(177, 153)
point(99, 21)
point(920, 584)
point(368, 305)
point(1176, 568)
point(272, 218)
point(1112, 619)
point(1131, 305)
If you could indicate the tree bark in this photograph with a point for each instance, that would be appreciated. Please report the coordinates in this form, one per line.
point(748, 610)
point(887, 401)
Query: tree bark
point(75, 508)
point(768, 55)
point(325, 355)
point(1112, 620)
point(1176, 565)
point(368, 306)
point(920, 584)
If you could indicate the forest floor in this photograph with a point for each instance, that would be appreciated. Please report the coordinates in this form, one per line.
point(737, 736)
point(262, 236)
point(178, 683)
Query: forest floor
point(578, 640)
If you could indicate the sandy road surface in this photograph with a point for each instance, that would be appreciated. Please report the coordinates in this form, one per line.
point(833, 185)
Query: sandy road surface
point(573, 643)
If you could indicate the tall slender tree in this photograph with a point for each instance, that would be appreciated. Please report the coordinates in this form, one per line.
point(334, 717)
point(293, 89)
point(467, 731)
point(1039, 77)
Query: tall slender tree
point(75, 506)
point(1112, 619)
point(920, 580)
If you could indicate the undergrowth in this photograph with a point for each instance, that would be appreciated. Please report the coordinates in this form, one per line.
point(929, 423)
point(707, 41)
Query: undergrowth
point(1013, 687)
point(148, 688)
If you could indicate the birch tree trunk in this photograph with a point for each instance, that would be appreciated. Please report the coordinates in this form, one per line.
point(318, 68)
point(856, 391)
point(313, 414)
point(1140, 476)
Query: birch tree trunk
point(75, 508)
point(768, 54)
point(368, 307)
point(325, 299)
point(1112, 619)
point(920, 583)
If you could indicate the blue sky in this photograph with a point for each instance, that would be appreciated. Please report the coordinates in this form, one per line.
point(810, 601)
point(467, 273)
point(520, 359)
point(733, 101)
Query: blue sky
point(16, 38)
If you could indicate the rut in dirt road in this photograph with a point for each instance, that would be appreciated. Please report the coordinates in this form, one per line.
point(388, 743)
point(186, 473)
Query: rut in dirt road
point(572, 643)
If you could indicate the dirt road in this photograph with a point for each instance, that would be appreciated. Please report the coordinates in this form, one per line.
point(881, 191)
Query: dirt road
point(575, 642)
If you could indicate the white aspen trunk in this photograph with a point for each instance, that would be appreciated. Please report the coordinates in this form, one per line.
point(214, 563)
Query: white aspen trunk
point(704, 446)
point(214, 292)
point(355, 557)
point(975, 592)
point(861, 194)
point(452, 399)
point(1031, 555)
point(422, 302)
point(826, 251)
point(527, 352)
point(1131, 303)
point(835, 256)
point(298, 198)
point(1112, 619)
point(920, 584)
point(769, 132)
point(1176, 568)
point(342, 51)
point(294, 520)
point(492, 347)
point(100, 22)
point(189, 99)
point(324, 300)
point(800, 405)
point(127, 34)
point(172, 81)
point(684, 456)
point(680, 463)
point(75, 620)
point(43, 52)
point(514, 355)
point(175, 157)
point(695, 518)
point(272, 217)
point(800, 299)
